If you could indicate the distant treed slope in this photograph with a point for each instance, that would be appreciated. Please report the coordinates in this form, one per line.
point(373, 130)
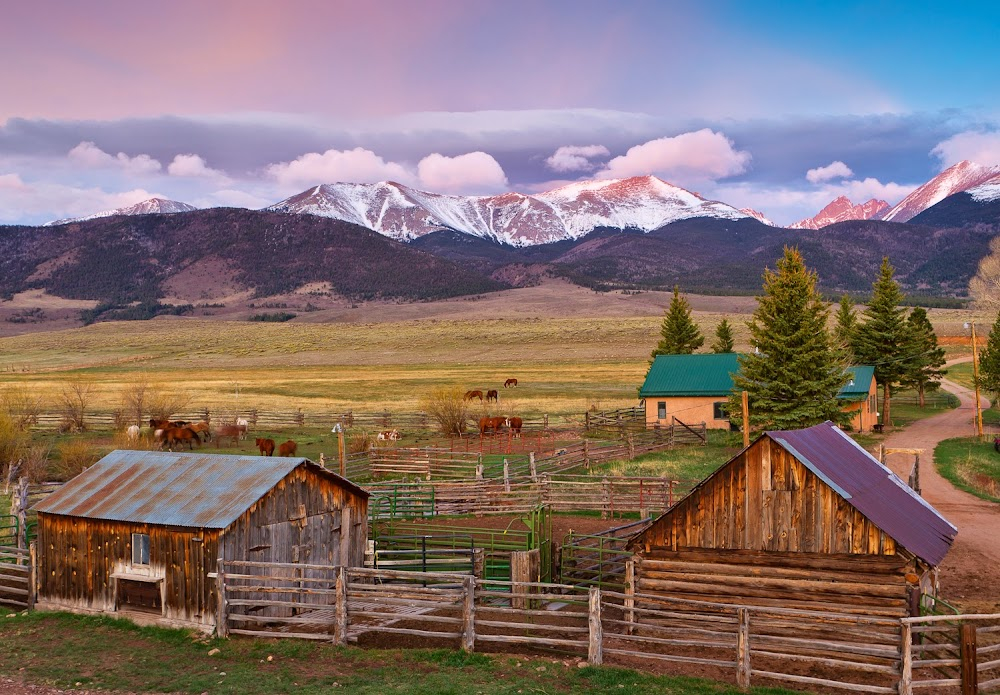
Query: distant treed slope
point(128, 258)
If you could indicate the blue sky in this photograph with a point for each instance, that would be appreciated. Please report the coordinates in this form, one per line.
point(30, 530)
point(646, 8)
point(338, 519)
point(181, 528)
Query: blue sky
point(246, 102)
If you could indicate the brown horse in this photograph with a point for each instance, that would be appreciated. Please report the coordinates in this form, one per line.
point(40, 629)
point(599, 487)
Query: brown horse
point(173, 435)
point(266, 446)
point(492, 395)
point(287, 448)
point(514, 423)
point(234, 432)
point(510, 383)
point(490, 424)
point(203, 429)
point(469, 395)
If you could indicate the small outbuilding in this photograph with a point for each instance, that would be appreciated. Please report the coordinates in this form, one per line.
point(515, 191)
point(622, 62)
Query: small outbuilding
point(799, 519)
point(141, 532)
point(859, 397)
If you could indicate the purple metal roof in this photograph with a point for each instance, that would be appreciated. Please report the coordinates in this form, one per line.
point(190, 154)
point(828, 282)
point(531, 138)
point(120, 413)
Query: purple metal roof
point(871, 488)
point(174, 489)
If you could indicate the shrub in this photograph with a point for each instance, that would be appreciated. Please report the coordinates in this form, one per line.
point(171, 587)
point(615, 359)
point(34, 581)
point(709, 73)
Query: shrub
point(448, 408)
point(74, 456)
point(277, 317)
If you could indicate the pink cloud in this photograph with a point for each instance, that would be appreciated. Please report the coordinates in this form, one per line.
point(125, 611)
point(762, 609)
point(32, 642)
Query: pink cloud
point(979, 147)
point(193, 166)
point(698, 156)
point(20, 199)
point(576, 158)
point(89, 155)
point(833, 170)
point(333, 166)
point(471, 173)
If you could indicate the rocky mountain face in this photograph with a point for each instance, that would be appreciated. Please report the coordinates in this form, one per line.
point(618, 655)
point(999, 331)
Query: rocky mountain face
point(956, 179)
point(841, 210)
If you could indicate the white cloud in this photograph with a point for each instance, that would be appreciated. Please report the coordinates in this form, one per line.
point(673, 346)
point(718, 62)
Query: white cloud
point(89, 155)
point(193, 166)
point(24, 202)
point(335, 166)
point(698, 156)
point(833, 170)
point(979, 147)
point(576, 158)
point(471, 173)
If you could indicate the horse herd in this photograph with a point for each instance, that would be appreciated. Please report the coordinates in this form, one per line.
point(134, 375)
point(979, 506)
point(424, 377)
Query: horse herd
point(491, 394)
point(168, 433)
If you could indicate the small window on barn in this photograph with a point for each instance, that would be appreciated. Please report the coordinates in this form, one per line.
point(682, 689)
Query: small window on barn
point(872, 406)
point(661, 410)
point(140, 548)
point(720, 410)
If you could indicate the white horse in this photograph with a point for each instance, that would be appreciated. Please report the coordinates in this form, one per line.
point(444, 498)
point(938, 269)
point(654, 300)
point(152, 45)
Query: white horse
point(132, 433)
point(243, 425)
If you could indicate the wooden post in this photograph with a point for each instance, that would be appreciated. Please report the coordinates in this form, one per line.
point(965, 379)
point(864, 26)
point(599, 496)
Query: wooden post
point(743, 647)
point(340, 607)
point(222, 607)
point(469, 614)
point(746, 419)
point(975, 380)
point(506, 476)
point(606, 502)
point(20, 499)
point(906, 660)
point(595, 643)
point(32, 574)
point(916, 473)
point(586, 453)
point(967, 650)
point(479, 469)
point(342, 453)
point(478, 562)
point(631, 445)
point(525, 570)
point(531, 467)
point(586, 421)
point(630, 596)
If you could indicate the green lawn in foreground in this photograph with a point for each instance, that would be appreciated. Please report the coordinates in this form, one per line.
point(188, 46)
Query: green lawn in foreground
point(70, 651)
point(971, 465)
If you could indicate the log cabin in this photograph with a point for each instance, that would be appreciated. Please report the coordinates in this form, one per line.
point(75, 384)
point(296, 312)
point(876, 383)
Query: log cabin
point(140, 533)
point(799, 519)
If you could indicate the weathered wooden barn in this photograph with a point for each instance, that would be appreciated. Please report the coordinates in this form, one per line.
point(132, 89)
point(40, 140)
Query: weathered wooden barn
point(799, 519)
point(141, 532)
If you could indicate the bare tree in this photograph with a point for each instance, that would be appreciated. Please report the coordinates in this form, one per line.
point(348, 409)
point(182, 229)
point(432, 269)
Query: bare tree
point(985, 285)
point(447, 407)
point(142, 400)
point(74, 401)
point(21, 406)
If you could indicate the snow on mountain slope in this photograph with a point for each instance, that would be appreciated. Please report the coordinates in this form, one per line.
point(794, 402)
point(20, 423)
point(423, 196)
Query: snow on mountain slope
point(843, 209)
point(757, 215)
point(146, 207)
point(640, 203)
point(960, 177)
point(986, 192)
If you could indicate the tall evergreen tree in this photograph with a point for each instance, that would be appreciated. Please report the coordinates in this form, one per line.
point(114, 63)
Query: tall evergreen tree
point(883, 339)
point(794, 374)
point(679, 333)
point(989, 361)
point(926, 357)
point(724, 340)
point(846, 327)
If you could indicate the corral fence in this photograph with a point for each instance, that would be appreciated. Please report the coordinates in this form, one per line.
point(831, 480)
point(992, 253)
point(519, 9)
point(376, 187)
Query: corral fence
point(750, 645)
point(598, 559)
point(16, 577)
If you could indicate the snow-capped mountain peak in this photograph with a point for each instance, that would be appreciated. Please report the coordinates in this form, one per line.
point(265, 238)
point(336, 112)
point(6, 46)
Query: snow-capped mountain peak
point(640, 203)
point(153, 206)
point(963, 176)
point(841, 210)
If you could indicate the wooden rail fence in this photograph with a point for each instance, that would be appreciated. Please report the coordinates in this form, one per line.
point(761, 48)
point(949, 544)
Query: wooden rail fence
point(16, 577)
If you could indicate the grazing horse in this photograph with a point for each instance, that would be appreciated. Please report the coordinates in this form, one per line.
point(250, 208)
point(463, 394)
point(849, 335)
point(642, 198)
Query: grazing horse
point(488, 424)
point(510, 383)
point(514, 423)
point(388, 436)
point(492, 395)
point(234, 432)
point(266, 446)
point(132, 433)
point(173, 435)
point(287, 448)
point(469, 395)
point(241, 422)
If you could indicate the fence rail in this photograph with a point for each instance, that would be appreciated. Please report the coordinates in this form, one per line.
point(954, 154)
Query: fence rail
point(16, 577)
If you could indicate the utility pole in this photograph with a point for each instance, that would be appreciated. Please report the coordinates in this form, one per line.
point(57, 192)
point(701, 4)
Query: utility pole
point(975, 379)
point(746, 419)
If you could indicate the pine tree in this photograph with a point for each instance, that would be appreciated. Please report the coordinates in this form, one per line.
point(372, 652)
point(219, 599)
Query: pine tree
point(989, 361)
point(680, 335)
point(794, 374)
point(926, 357)
point(883, 339)
point(724, 340)
point(846, 328)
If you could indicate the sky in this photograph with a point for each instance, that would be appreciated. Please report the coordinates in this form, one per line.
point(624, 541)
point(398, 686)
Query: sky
point(777, 106)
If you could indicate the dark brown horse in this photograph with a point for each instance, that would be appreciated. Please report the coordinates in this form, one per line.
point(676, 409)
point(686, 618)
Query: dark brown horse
point(287, 448)
point(514, 423)
point(469, 395)
point(490, 424)
point(266, 446)
point(492, 395)
point(510, 383)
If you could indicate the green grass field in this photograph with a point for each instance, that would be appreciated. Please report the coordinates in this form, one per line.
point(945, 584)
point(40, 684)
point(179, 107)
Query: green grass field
point(971, 465)
point(70, 651)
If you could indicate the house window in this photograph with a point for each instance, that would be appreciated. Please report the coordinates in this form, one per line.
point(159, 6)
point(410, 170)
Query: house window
point(720, 410)
point(872, 406)
point(140, 548)
point(661, 410)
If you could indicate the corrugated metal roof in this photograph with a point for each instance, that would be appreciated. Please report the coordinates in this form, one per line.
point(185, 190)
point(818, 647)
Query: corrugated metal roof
point(708, 374)
point(871, 488)
point(857, 387)
point(174, 489)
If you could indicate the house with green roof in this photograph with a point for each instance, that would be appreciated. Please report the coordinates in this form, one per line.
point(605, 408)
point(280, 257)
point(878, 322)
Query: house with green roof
point(695, 389)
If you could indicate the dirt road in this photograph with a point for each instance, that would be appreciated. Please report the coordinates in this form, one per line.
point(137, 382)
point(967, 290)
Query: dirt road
point(970, 572)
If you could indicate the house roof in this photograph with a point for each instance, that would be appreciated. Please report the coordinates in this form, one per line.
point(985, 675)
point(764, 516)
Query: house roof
point(864, 482)
point(175, 489)
point(859, 384)
point(705, 374)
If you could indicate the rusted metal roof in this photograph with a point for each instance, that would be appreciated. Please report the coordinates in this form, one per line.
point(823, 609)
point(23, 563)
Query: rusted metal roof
point(871, 488)
point(175, 489)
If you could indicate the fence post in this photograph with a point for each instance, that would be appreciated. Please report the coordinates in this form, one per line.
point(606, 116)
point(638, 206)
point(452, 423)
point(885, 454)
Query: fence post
point(506, 476)
point(469, 614)
point(631, 446)
point(586, 454)
point(32, 574)
point(21, 500)
point(342, 453)
point(531, 467)
point(630, 595)
point(595, 646)
point(586, 421)
point(340, 607)
point(906, 661)
point(222, 617)
point(606, 502)
point(479, 469)
point(743, 649)
point(967, 650)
